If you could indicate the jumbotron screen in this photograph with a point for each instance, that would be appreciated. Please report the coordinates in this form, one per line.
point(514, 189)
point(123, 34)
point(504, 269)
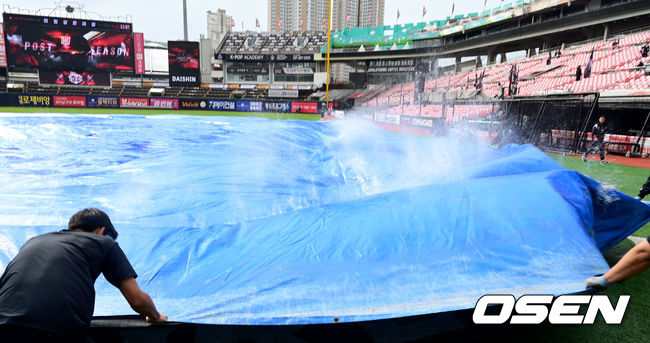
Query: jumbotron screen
point(63, 43)
point(183, 63)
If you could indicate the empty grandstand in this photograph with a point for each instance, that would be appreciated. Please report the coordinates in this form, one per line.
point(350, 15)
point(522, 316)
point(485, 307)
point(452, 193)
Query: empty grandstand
point(555, 38)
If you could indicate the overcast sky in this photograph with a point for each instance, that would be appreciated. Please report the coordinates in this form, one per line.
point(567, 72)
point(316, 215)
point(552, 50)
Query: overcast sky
point(162, 20)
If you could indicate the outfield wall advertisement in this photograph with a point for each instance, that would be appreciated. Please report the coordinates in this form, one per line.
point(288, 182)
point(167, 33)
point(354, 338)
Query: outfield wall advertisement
point(31, 100)
point(103, 101)
point(171, 104)
point(250, 106)
point(193, 104)
point(277, 106)
point(69, 101)
point(134, 102)
point(96, 101)
point(304, 107)
point(222, 105)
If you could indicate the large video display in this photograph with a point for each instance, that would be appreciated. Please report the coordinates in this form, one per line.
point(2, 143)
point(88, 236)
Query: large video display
point(70, 77)
point(184, 63)
point(49, 43)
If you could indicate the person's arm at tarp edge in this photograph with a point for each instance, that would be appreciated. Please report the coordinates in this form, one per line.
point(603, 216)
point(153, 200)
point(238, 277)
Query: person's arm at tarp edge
point(140, 301)
point(634, 262)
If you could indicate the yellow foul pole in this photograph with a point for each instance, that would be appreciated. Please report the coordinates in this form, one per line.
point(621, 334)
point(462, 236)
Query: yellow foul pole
point(329, 35)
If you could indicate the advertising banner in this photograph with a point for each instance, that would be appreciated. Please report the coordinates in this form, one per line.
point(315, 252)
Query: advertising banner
point(3, 47)
point(292, 58)
point(193, 104)
point(68, 44)
point(73, 78)
point(222, 105)
point(283, 93)
point(134, 102)
point(249, 70)
point(417, 121)
point(324, 106)
point(138, 48)
point(277, 106)
point(391, 66)
point(297, 70)
point(33, 100)
point(393, 119)
point(249, 106)
point(304, 107)
point(242, 57)
point(69, 101)
point(102, 101)
point(184, 67)
point(171, 104)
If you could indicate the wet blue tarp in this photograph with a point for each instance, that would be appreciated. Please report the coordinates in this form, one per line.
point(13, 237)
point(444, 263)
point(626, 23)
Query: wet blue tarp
point(252, 221)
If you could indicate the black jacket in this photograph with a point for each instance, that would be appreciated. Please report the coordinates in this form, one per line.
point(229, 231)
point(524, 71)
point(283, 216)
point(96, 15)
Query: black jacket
point(598, 131)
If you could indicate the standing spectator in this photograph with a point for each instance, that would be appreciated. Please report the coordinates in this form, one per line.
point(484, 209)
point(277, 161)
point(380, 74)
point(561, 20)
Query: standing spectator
point(578, 73)
point(558, 53)
point(598, 137)
point(500, 90)
point(615, 44)
point(644, 50)
point(548, 60)
point(587, 72)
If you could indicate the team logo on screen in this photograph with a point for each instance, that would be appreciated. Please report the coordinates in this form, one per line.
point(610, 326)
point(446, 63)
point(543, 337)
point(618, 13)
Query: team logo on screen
point(75, 78)
point(65, 41)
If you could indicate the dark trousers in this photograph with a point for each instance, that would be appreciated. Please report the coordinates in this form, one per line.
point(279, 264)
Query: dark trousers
point(12, 333)
point(645, 189)
point(597, 146)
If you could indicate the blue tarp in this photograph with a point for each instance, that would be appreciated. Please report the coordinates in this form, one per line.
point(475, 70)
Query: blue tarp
point(252, 221)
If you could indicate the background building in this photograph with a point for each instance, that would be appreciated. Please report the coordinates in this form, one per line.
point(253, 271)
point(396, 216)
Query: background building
point(219, 24)
point(354, 13)
point(312, 16)
point(284, 15)
point(357, 13)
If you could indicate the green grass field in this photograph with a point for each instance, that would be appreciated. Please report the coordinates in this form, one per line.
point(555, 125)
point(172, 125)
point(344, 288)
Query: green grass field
point(281, 116)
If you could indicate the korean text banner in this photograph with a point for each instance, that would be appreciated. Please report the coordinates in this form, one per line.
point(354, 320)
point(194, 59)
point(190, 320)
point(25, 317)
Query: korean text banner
point(3, 49)
point(138, 47)
point(183, 63)
point(59, 43)
point(103, 101)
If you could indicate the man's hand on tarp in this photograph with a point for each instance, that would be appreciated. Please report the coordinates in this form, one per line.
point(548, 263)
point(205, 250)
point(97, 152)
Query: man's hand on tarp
point(161, 318)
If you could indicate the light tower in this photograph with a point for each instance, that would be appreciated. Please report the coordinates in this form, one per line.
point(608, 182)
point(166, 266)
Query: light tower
point(185, 20)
